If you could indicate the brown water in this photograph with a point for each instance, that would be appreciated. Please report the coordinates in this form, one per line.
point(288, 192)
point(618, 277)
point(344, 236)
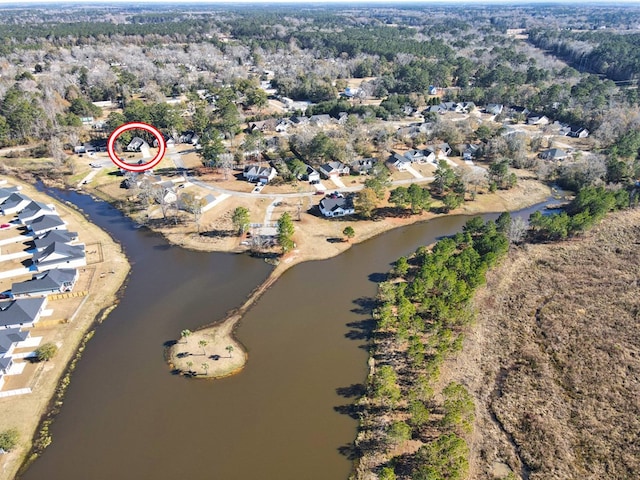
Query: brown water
point(283, 418)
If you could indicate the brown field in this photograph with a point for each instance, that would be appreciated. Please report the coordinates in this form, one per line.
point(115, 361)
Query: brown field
point(554, 359)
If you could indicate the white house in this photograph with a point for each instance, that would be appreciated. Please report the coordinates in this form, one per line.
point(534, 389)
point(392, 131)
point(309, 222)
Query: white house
point(10, 339)
point(34, 210)
point(337, 206)
point(60, 236)
point(60, 255)
point(311, 174)
point(46, 223)
point(15, 203)
point(21, 313)
point(53, 281)
point(332, 169)
point(256, 173)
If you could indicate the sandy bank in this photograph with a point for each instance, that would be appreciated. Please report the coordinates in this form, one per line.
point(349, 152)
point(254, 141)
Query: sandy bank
point(67, 327)
point(313, 237)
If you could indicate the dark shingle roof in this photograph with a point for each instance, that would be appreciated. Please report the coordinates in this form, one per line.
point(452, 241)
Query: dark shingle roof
point(45, 221)
point(52, 280)
point(69, 252)
point(10, 336)
point(15, 312)
point(60, 236)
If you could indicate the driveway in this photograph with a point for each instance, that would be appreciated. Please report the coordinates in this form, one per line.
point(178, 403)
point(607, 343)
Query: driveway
point(413, 171)
point(335, 179)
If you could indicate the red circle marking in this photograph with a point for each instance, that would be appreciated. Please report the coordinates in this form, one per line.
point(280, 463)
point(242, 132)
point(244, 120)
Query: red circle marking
point(162, 146)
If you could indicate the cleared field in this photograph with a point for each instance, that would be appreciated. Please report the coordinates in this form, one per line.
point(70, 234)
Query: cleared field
point(554, 361)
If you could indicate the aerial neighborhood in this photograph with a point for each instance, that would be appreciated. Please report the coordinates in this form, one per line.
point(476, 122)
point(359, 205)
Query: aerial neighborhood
point(39, 258)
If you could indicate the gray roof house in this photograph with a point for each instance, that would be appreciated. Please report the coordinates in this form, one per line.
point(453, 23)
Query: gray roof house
point(14, 203)
point(334, 168)
point(256, 173)
point(10, 339)
point(320, 120)
point(60, 255)
point(60, 236)
point(311, 174)
point(494, 108)
point(578, 132)
point(337, 206)
point(554, 154)
point(6, 192)
point(34, 210)
point(24, 312)
point(53, 281)
point(364, 165)
point(137, 144)
point(45, 223)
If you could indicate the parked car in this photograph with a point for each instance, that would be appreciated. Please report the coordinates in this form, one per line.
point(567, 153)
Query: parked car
point(5, 225)
point(320, 192)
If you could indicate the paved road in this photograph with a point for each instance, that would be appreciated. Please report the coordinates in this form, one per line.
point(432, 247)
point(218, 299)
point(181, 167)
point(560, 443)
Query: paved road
point(274, 196)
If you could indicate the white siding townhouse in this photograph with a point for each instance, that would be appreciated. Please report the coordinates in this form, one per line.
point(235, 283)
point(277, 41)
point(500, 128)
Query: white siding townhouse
point(21, 313)
point(54, 281)
point(60, 255)
point(34, 210)
point(46, 223)
point(14, 203)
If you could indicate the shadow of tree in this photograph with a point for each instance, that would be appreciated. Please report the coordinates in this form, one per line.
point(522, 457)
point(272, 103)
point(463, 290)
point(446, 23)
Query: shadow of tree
point(219, 233)
point(353, 390)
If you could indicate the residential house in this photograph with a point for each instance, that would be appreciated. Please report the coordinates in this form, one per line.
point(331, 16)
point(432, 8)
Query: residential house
point(467, 107)
point(470, 151)
point(333, 169)
point(342, 118)
point(494, 108)
point(433, 90)
point(400, 161)
point(168, 141)
point(445, 149)
point(350, 92)
point(554, 154)
point(21, 313)
point(311, 174)
point(320, 120)
point(95, 145)
point(363, 166)
point(45, 223)
point(578, 132)
point(452, 107)
point(256, 173)
point(15, 203)
point(517, 111)
point(283, 125)
point(60, 255)
point(190, 137)
point(436, 109)
point(60, 236)
point(535, 119)
point(10, 339)
point(337, 206)
point(34, 210)
point(6, 192)
point(57, 280)
point(298, 121)
point(137, 144)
